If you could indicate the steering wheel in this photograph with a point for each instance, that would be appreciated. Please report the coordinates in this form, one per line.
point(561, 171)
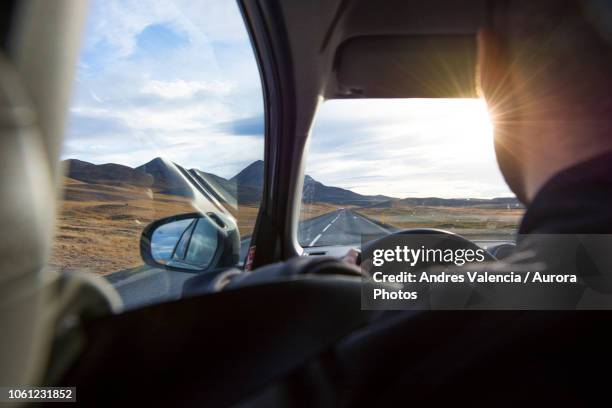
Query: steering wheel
point(430, 238)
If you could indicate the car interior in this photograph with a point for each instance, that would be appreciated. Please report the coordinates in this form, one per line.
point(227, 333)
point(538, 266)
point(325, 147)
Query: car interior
point(273, 323)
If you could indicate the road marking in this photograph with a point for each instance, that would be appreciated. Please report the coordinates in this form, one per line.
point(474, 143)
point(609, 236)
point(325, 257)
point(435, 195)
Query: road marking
point(314, 241)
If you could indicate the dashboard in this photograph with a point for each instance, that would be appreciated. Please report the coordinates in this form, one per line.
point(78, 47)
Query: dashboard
point(500, 249)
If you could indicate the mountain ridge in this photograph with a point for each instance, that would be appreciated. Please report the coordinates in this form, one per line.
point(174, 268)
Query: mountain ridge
point(108, 173)
point(247, 185)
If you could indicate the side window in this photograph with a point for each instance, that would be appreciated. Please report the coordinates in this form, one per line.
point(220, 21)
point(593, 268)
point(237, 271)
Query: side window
point(166, 119)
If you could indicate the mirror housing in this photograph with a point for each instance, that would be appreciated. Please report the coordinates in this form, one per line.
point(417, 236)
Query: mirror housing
point(191, 242)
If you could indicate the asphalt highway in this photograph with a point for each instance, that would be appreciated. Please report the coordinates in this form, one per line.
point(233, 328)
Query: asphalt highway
point(341, 227)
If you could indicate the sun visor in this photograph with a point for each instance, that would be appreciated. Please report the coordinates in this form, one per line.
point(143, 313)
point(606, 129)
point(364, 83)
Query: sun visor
point(414, 66)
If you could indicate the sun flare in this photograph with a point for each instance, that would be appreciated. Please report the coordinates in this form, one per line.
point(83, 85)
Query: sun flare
point(406, 147)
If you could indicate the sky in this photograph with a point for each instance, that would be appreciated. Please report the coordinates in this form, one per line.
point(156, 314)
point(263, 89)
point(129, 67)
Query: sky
point(407, 148)
point(178, 79)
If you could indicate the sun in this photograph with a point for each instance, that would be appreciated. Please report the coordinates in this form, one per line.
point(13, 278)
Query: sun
point(469, 125)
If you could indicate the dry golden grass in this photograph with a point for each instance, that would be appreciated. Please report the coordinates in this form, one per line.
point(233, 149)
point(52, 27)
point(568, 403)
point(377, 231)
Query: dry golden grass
point(99, 226)
point(468, 221)
point(311, 210)
point(246, 215)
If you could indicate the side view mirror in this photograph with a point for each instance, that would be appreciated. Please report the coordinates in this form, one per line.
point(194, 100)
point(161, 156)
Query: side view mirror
point(191, 243)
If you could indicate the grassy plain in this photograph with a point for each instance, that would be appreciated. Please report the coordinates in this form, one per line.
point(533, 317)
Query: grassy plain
point(484, 222)
point(311, 210)
point(99, 226)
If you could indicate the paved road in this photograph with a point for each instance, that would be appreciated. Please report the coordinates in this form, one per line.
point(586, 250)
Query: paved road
point(144, 285)
point(341, 227)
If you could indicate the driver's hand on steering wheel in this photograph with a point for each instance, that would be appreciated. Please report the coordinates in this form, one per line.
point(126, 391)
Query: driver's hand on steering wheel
point(353, 257)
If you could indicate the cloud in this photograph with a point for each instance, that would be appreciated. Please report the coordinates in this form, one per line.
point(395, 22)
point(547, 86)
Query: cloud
point(253, 125)
point(118, 23)
point(165, 78)
point(185, 89)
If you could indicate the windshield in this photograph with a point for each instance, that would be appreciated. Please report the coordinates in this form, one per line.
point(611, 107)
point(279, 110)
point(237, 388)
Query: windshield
point(380, 165)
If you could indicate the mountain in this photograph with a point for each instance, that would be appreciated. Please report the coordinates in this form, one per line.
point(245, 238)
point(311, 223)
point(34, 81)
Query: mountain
point(315, 191)
point(167, 176)
point(249, 183)
point(222, 189)
point(224, 185)
point(110, 173)
point(498, 202)
point(252, 175)
point(511, 201)
point(246, 187)
point(163, 172)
